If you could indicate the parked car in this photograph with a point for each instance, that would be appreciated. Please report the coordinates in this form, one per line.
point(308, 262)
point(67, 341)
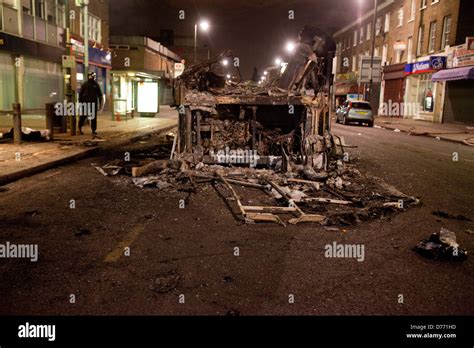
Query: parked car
point(355, 111)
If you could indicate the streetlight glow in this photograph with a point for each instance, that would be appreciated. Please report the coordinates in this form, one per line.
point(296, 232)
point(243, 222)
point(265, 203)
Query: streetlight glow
point(278, 61)
point(228, 76)
point(265, 73)
point(225, 62)
point(204, 25)
point(290, 46)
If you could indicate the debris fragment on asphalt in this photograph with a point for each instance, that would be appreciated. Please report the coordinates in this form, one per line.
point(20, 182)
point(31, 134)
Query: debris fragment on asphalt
point(166, 282)
point(82, 232)
point(441, 246)
point(446, 215)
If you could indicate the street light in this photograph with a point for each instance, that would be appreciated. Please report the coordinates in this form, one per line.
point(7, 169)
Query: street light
point(278, 61)
point(225, 62)
point(290, 46)
point(228, 76)
point(265, 73)
point(204, 25)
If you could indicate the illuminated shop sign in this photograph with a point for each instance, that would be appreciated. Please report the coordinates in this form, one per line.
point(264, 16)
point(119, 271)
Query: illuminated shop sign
point(433, 64)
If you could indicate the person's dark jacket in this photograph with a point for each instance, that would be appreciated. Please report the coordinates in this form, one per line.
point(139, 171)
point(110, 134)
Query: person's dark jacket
point(90, 93)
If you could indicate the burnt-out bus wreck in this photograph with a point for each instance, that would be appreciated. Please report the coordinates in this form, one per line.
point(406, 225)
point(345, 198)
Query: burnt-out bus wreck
point(283, 121)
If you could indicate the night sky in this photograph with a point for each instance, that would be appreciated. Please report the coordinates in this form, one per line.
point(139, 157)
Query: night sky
point(255, 30)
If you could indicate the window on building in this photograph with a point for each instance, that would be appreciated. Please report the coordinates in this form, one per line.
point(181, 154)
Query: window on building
point(413, 10)
point(446, 31)
point(355, 38)
point(387, 22)
point(354, 63)
point(384, 54)
point(40, 9)
point(377, 52)
point(399, 54)
point(424, 4)
point(419, 47)
point(361, 34)
point(378, 26)
point(95, 28)
point(348, 42)
point(400, 17)
point(27, 6)
point(434, 2)
point(369, 31)
point(432, 45)
point(410, 49)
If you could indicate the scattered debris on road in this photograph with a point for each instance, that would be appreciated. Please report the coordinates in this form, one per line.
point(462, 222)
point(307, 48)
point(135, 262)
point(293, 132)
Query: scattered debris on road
point(166, 282)
point(441, 246)
point(82, 232)
point(447, 215)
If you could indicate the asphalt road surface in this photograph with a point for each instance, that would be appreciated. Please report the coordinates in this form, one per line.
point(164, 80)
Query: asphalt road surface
point(184, 261)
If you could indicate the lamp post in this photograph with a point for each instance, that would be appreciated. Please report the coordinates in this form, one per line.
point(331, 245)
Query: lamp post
point(204, 25)
point(84, 4)
point(371, 76)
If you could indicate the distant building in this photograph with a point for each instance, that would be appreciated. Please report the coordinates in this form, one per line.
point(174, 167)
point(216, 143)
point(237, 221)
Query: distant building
point(143, 75)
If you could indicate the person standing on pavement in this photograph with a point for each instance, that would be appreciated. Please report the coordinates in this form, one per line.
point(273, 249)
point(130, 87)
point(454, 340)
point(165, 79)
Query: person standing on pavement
point(91, 99)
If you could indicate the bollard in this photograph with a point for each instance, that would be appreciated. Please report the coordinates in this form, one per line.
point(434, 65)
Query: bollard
point(17, 124)
point(50, 119)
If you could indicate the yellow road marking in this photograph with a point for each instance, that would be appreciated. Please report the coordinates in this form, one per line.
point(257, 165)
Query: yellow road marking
point(119, 250)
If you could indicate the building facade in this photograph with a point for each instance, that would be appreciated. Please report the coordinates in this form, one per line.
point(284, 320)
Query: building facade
point(440, 25)
point(413, 39)
point(100, 56)
point(35, 38)
point(143, 75)
point(32, 43)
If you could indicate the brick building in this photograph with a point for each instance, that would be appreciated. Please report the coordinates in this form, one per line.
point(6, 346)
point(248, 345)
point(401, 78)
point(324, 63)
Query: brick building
point(413, 38)
point(439, 25)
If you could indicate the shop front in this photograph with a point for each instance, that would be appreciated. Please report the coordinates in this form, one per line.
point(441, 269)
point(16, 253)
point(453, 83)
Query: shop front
point(424, 96)
point(135, 93)
point(459, 80)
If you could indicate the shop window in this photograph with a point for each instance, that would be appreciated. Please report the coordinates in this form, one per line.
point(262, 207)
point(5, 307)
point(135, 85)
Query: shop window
point(355, 38)
point(426, 93)
point(361, 34)
point(369, 31)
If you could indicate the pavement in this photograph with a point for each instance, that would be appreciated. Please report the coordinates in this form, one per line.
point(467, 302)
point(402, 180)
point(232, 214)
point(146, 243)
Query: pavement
point(19, 161)
point(449, 132)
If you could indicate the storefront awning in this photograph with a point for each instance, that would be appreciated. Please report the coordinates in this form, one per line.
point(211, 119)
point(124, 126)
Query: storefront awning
point(464, 73)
